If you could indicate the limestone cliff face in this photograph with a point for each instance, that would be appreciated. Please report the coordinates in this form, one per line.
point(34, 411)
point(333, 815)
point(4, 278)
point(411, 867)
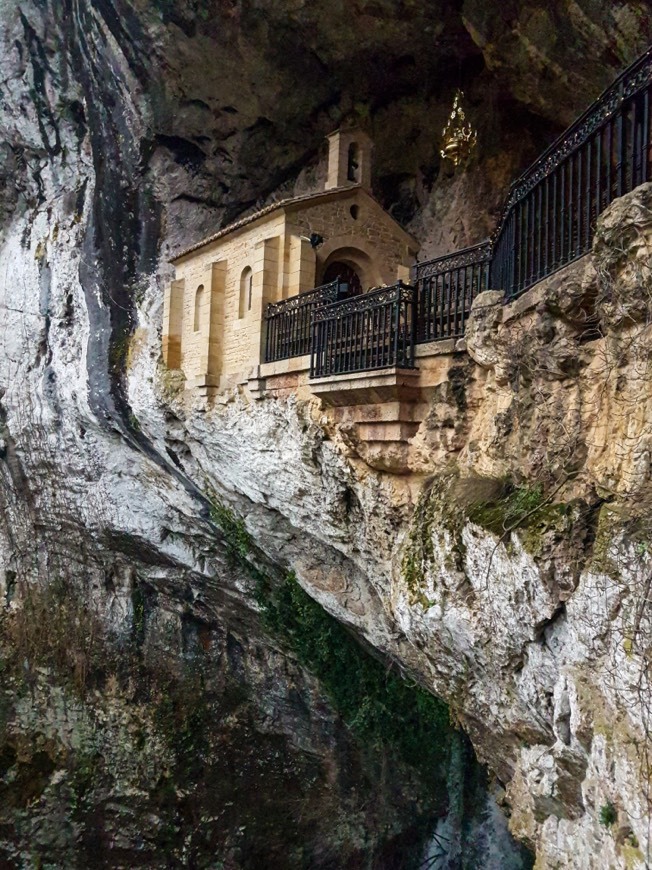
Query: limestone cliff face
point(508, 574)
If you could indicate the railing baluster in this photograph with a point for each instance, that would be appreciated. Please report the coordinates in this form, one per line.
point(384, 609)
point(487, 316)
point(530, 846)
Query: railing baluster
point(554, 261)
point(530, 239)
point(350, 339)
point(516, 256)
point(620, 149)
point(396, 312)
point(359, 338)
point(460, 320)
point(546, 230)
point(539, 232)
point(587, 196)
point(561, 217)
point(510, 289)
point(578, 224)
point(645, 141)
point(455, 290)
point(634, 146)
point(599, 160)
point(608, 151)
point(570, 251)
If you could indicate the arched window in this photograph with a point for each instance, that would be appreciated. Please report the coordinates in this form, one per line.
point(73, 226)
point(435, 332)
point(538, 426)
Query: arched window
point(353, 170)
point(199, 296)
point(246, 289)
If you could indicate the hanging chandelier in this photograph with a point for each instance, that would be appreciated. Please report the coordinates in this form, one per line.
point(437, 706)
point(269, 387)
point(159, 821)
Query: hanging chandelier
point(459, 137)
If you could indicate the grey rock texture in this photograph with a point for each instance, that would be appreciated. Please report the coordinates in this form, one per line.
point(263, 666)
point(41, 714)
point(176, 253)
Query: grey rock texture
point(130, 128)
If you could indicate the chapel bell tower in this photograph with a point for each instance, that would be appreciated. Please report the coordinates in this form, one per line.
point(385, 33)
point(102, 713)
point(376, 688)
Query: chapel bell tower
point(349, 159)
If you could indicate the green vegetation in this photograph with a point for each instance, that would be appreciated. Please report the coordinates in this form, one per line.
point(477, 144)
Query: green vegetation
point(498, 505)
point(621, 520)
point(375, 702)
point(434, 507)
point(138, 614)
point(239, 544)
point(608, 814)
point(526, 509)
point(419, 549)
point(507, 511)
point(119, 350)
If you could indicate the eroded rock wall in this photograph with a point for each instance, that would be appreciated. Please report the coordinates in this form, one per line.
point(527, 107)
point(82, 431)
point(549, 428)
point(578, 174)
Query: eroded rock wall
point(128, 130)
point(508, 571)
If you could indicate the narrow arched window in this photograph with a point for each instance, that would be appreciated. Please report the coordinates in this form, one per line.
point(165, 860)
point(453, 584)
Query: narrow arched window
point(246, 290)
point(353, 170)
point(199, 297)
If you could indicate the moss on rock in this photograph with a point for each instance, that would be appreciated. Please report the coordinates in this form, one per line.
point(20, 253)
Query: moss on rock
point(498, 505)
point(379, 705)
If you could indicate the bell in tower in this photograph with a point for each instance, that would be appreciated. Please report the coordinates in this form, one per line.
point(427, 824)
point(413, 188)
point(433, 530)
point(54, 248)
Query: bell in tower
point(349, 159)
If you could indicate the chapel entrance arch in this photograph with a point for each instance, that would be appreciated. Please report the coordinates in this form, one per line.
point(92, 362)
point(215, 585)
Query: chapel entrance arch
point(345, 272)
point(351, 264)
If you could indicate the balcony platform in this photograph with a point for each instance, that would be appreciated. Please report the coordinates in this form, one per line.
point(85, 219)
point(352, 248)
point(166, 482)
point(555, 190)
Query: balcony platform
point(394, 385)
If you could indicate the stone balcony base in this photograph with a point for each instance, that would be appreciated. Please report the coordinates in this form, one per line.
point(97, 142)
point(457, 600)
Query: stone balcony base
point(368, 388)
point(382, 409)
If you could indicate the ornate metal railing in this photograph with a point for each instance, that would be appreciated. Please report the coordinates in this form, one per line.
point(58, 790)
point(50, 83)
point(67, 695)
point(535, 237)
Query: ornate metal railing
point(549, 217)
point(373, 331)
point(446, 288)
point(548, 221)
point(289, 322)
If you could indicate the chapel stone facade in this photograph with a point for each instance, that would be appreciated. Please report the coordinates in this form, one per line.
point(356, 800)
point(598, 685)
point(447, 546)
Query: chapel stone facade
point(214, 325)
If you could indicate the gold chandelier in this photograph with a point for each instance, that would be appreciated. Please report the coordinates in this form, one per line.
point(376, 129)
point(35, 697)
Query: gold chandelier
point(459, 138)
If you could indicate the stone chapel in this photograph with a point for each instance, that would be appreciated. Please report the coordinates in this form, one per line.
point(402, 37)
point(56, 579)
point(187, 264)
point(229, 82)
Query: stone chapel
point(214, 309)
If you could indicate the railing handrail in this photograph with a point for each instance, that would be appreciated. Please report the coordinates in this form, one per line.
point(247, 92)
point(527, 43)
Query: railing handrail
point(477, 253)
point(308, 297)
point(375, 330)
point(575, 135)
point(382, 296)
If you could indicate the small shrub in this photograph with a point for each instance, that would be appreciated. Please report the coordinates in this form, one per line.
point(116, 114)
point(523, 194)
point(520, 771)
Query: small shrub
point(608, 814)
point(506, 512)
point(237, 538)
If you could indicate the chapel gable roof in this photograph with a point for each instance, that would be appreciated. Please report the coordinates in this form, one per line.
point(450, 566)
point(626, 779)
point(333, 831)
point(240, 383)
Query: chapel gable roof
point(288, 202)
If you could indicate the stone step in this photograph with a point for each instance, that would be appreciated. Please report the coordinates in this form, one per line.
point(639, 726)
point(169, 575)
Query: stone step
point(396, 431)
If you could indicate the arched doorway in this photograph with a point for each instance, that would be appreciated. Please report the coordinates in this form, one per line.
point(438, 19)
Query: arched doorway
point(345, 273)
point(359, 263)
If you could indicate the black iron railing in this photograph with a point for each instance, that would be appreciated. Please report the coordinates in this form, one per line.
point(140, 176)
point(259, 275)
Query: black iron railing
point(549, 218)
point(373, 331)
point(550, 214)
point(446, 288)
point(548, 221)
point(288, 323)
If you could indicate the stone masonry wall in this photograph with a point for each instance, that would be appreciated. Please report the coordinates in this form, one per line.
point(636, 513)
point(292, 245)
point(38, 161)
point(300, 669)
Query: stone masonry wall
point(373, 233)
point(226, 347)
